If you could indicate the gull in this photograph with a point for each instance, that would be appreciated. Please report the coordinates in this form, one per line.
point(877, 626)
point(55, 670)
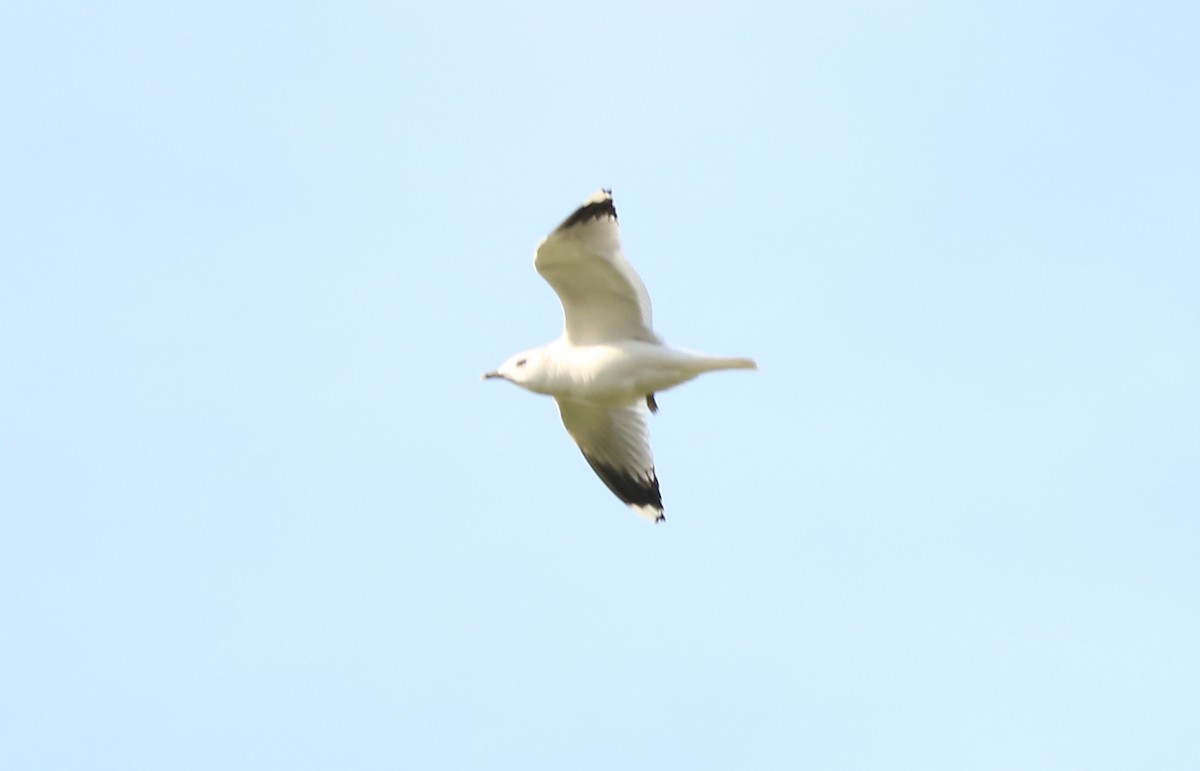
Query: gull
point(608, 364)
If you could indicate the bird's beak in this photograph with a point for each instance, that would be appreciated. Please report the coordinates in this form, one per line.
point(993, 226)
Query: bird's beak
point(490, 375)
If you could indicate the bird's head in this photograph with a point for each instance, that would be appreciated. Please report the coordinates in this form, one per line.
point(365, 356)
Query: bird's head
point(525, 369)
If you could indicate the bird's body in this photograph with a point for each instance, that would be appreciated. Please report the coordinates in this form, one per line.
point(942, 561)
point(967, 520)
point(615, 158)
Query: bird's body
point(620, 372)
point(608, 365)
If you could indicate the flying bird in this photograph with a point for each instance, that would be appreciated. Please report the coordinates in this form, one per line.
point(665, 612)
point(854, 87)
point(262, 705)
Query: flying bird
point(608, 364)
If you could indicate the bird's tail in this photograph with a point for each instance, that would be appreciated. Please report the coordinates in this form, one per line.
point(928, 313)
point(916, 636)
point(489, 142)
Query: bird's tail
point(713, 363)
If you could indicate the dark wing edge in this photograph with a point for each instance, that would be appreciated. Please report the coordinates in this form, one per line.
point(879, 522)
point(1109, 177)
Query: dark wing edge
point(597, 207)
point(630, 488)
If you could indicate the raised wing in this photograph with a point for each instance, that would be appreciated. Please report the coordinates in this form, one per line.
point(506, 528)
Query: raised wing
point(616, 445)
point(602, 296)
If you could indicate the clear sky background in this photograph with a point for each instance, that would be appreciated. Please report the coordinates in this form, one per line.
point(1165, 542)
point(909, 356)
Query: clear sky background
point(258, 510)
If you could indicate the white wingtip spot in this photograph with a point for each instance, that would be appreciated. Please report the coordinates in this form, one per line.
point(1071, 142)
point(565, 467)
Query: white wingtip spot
point(603, 194)
point(649, 513)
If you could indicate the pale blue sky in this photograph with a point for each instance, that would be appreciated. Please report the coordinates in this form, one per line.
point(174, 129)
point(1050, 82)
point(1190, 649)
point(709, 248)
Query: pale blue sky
point(260, 512)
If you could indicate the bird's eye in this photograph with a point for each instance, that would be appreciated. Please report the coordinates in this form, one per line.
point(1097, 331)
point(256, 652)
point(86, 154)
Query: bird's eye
point(520, 362)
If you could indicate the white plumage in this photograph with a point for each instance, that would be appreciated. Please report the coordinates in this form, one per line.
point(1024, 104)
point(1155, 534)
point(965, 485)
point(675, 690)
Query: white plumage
point(607, 366)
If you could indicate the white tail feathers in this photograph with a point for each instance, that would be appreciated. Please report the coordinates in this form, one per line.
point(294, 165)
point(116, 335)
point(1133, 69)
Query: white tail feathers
point(713, 363)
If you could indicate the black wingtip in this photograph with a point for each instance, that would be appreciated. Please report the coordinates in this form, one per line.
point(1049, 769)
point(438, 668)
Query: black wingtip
point(631, 489)
point(597, 207)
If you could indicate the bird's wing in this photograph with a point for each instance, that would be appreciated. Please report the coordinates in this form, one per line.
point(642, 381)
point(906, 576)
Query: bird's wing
point(602, 296)
point(616, 445)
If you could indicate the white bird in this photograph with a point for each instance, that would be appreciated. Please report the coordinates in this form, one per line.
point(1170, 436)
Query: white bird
point(609, 363)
